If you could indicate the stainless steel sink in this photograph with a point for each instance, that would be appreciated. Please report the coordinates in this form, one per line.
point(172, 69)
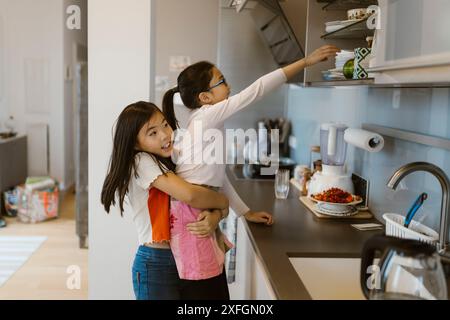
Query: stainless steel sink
point(330, 278)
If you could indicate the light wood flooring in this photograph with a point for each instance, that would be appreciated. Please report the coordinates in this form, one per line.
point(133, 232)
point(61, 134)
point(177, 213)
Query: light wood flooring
point(44, 275)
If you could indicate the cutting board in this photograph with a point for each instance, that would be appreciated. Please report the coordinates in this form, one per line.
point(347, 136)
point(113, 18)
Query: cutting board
point(311, 205)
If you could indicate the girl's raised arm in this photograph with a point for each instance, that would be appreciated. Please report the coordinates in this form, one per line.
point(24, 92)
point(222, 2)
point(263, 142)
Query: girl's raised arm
point(317, 56)
point(216, 114)
point(193, 195)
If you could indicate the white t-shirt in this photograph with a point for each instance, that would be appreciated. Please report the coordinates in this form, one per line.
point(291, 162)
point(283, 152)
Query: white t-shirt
point(138, 192)
point(213, 117)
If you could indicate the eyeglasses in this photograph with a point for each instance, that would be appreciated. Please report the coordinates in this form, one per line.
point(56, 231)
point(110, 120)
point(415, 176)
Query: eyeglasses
point(223, 81)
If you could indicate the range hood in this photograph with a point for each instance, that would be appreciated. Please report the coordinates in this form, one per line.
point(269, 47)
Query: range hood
point(282, 26)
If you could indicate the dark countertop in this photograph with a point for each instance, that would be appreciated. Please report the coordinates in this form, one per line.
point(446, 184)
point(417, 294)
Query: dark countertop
point(7, 140)
point(295, 233)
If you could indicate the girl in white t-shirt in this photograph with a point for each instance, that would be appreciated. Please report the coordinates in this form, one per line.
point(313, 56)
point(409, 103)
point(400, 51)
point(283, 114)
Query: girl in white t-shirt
point(141, 168)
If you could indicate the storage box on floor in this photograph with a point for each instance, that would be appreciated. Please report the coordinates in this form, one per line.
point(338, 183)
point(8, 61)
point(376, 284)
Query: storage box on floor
point(36, 201)
point(10, 202)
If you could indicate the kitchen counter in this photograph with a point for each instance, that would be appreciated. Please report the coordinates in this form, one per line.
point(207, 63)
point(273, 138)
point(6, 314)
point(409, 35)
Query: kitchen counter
point(296, 233)
point(8, 140)
point(13, 164)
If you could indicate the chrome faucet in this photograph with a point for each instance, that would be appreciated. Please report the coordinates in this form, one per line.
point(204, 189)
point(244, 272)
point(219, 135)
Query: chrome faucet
point(401, 173)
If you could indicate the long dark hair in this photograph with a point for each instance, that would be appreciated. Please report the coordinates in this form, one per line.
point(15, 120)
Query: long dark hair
point(122, 163)
point(191, 82)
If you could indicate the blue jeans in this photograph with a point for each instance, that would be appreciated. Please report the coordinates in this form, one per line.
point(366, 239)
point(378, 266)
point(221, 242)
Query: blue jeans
point(155, 275)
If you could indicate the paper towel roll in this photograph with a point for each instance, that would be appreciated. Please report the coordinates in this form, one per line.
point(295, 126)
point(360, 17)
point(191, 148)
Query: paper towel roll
point(365, 140)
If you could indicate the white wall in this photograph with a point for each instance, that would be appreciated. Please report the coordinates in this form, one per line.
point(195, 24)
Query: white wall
point(243, 57)
point(34, 30)
point(3, 111)
point(219, 35)
point(184, 28)
point(119, 58)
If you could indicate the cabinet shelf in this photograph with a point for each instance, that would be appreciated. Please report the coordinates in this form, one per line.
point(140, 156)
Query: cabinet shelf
point(371, 83)
point(346, 4)
point(341, 83)
point(357, 30)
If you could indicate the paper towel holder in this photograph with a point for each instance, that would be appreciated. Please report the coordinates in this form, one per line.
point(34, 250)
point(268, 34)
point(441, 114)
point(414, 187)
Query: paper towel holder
point(427, 140)
point(375, 142)
point(367, 140)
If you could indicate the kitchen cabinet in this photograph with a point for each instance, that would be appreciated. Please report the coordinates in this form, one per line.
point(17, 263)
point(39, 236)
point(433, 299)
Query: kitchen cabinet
point(411, 48)
point(252, 281)
point(295, 28)
point(413, 45)
point(13, 163)
point(271, 20)
point(348, 38)
point(346, 4)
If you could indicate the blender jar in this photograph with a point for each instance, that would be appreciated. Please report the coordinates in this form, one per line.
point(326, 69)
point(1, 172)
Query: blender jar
point(332, 144)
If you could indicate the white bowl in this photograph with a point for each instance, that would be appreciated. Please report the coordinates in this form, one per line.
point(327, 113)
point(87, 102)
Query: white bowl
point(340, 212)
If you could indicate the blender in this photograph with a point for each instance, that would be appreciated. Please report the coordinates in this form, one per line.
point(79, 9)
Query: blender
point(333, 149)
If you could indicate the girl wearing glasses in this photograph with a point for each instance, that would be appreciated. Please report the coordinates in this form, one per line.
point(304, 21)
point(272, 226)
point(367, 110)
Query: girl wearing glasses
point(204, 90)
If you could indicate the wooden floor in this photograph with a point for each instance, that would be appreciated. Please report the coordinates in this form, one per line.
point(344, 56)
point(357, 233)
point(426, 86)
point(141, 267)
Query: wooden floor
point(44, 276)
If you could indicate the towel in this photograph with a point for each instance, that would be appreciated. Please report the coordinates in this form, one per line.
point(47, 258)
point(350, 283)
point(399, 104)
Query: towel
point(229, 227)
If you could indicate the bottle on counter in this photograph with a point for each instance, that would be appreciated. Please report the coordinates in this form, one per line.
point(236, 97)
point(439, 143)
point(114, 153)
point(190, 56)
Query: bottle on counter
point(317, 166)
point(314, 156)
point(302, 175)
point(298, 171)
point(262, 143)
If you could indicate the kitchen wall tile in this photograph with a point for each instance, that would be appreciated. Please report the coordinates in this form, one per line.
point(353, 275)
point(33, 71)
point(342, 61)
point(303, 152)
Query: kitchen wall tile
point(425, 111)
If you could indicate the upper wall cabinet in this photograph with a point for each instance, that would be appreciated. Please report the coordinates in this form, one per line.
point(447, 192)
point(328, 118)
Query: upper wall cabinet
point(328, 23)
point(410, 47)
point(413, 42)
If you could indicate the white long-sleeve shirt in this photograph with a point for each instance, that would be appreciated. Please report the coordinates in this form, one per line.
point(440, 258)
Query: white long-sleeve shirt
point(191, 163)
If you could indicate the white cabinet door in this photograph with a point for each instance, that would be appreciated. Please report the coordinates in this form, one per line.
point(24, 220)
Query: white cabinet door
point(261, 287)
point(240, 288)
point(251, 282)
point(413, 44)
